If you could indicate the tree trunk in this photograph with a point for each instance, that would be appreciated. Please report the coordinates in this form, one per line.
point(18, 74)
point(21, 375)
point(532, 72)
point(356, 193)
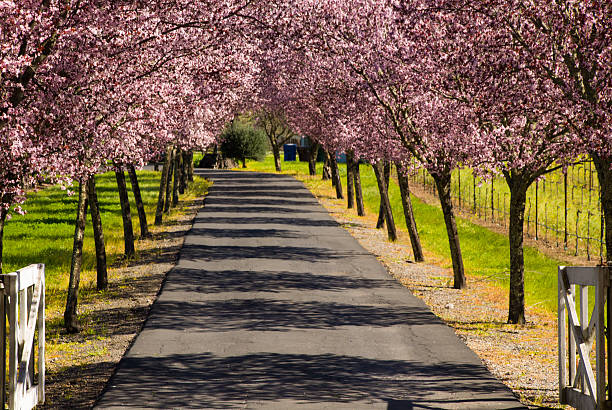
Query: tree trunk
point(171, 172)
point(326, 172)
point(384, 200)
point(71, 322)
point(177, 178)
point(381, 210)
point(336, 176)
point(142, 215)
point(518, 197)
point(312, 159)
point(604, 174)
point(3, 213)
point(128, 230)
point(178, 168)
point(350, 186)
point(415, 241)
point(184, 166)
point(244, 163)
point(163, 183)
point(443, 184)
point(190, 166)
point(358, 191)
point(96, 221)
point(276, 153)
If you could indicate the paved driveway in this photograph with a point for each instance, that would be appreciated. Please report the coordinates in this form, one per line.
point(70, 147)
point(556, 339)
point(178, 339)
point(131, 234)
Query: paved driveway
point(273, 305)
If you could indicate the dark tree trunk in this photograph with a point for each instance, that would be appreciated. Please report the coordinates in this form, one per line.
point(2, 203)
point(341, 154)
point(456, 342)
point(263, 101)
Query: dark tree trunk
point(604, 174)
point(177, 178)
point(384, 200)
point(178, 168)
point(128, 230)
point(276, 153)
point(190, 166)
point(3, 213)
point(518, 197)
point(350, 185)
point(142, 215)
point(336, 176)
point(358, 191)
point(184, 166)
point(381, 210)
point(312, 159)
point(244, 163)
point(171, 173)
point(443, 184)
point(415, 241)
point(96, 221)
point(326, 173)
point(163, 183)
point(71, 322)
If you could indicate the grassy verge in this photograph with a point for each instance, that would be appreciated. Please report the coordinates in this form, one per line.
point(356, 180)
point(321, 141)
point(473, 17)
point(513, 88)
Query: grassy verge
point(485, 253)
point(547, 207)
point(45, 233)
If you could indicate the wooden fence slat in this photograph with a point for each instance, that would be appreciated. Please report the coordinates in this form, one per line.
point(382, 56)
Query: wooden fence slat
point(23, 296)
point(41, 338)
point(581, 332)
point(562, 338)
point(580, 345)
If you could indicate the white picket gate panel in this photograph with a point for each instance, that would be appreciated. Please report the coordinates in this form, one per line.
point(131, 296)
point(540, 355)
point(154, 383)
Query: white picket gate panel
point(579, 386)
point(23, 303)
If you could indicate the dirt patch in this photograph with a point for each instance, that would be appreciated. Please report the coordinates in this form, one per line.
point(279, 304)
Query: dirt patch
point(79, 365)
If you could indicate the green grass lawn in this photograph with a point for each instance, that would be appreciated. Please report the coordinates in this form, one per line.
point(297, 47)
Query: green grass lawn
point(45, 233)
point(485, 253)
point(583, 205)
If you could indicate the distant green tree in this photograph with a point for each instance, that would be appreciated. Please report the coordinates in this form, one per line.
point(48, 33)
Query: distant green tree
point(241, 140)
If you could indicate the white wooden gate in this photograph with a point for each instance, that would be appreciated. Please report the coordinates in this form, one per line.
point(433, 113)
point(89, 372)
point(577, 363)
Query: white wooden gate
point(579, 386)
point(23, 302)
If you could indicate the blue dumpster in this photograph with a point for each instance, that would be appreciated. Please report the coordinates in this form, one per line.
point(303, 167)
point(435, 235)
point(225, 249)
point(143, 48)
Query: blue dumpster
point(290, 151)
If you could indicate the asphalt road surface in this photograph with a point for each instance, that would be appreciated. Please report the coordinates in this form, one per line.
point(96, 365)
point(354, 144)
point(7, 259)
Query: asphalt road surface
point(273, 305)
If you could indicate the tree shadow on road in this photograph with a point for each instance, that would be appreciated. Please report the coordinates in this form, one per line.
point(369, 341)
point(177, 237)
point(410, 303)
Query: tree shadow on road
point(208, 381)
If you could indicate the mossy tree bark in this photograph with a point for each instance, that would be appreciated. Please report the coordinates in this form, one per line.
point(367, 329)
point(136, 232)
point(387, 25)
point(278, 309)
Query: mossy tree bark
point(171, 172)
point(71, 322)
point(381, 210)
point(411, 225)
point(276, 154)
point(336, 180)
point(177, 177)
point(313, 153)
point(379, 172)
point(128, 230)
point(326, 172)
point(96, 221)
point(190, 166)
point(184, 166)
point(163, 183)
point(350, 183)
point(518, 196)
point(358, 190)
point(142, 215)
point(443, 185)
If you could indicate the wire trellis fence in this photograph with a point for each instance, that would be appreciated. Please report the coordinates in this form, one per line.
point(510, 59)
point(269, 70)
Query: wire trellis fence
point(563, 210)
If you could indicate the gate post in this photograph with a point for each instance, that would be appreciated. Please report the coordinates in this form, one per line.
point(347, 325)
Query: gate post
point(580, 387)
point(23, 295)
